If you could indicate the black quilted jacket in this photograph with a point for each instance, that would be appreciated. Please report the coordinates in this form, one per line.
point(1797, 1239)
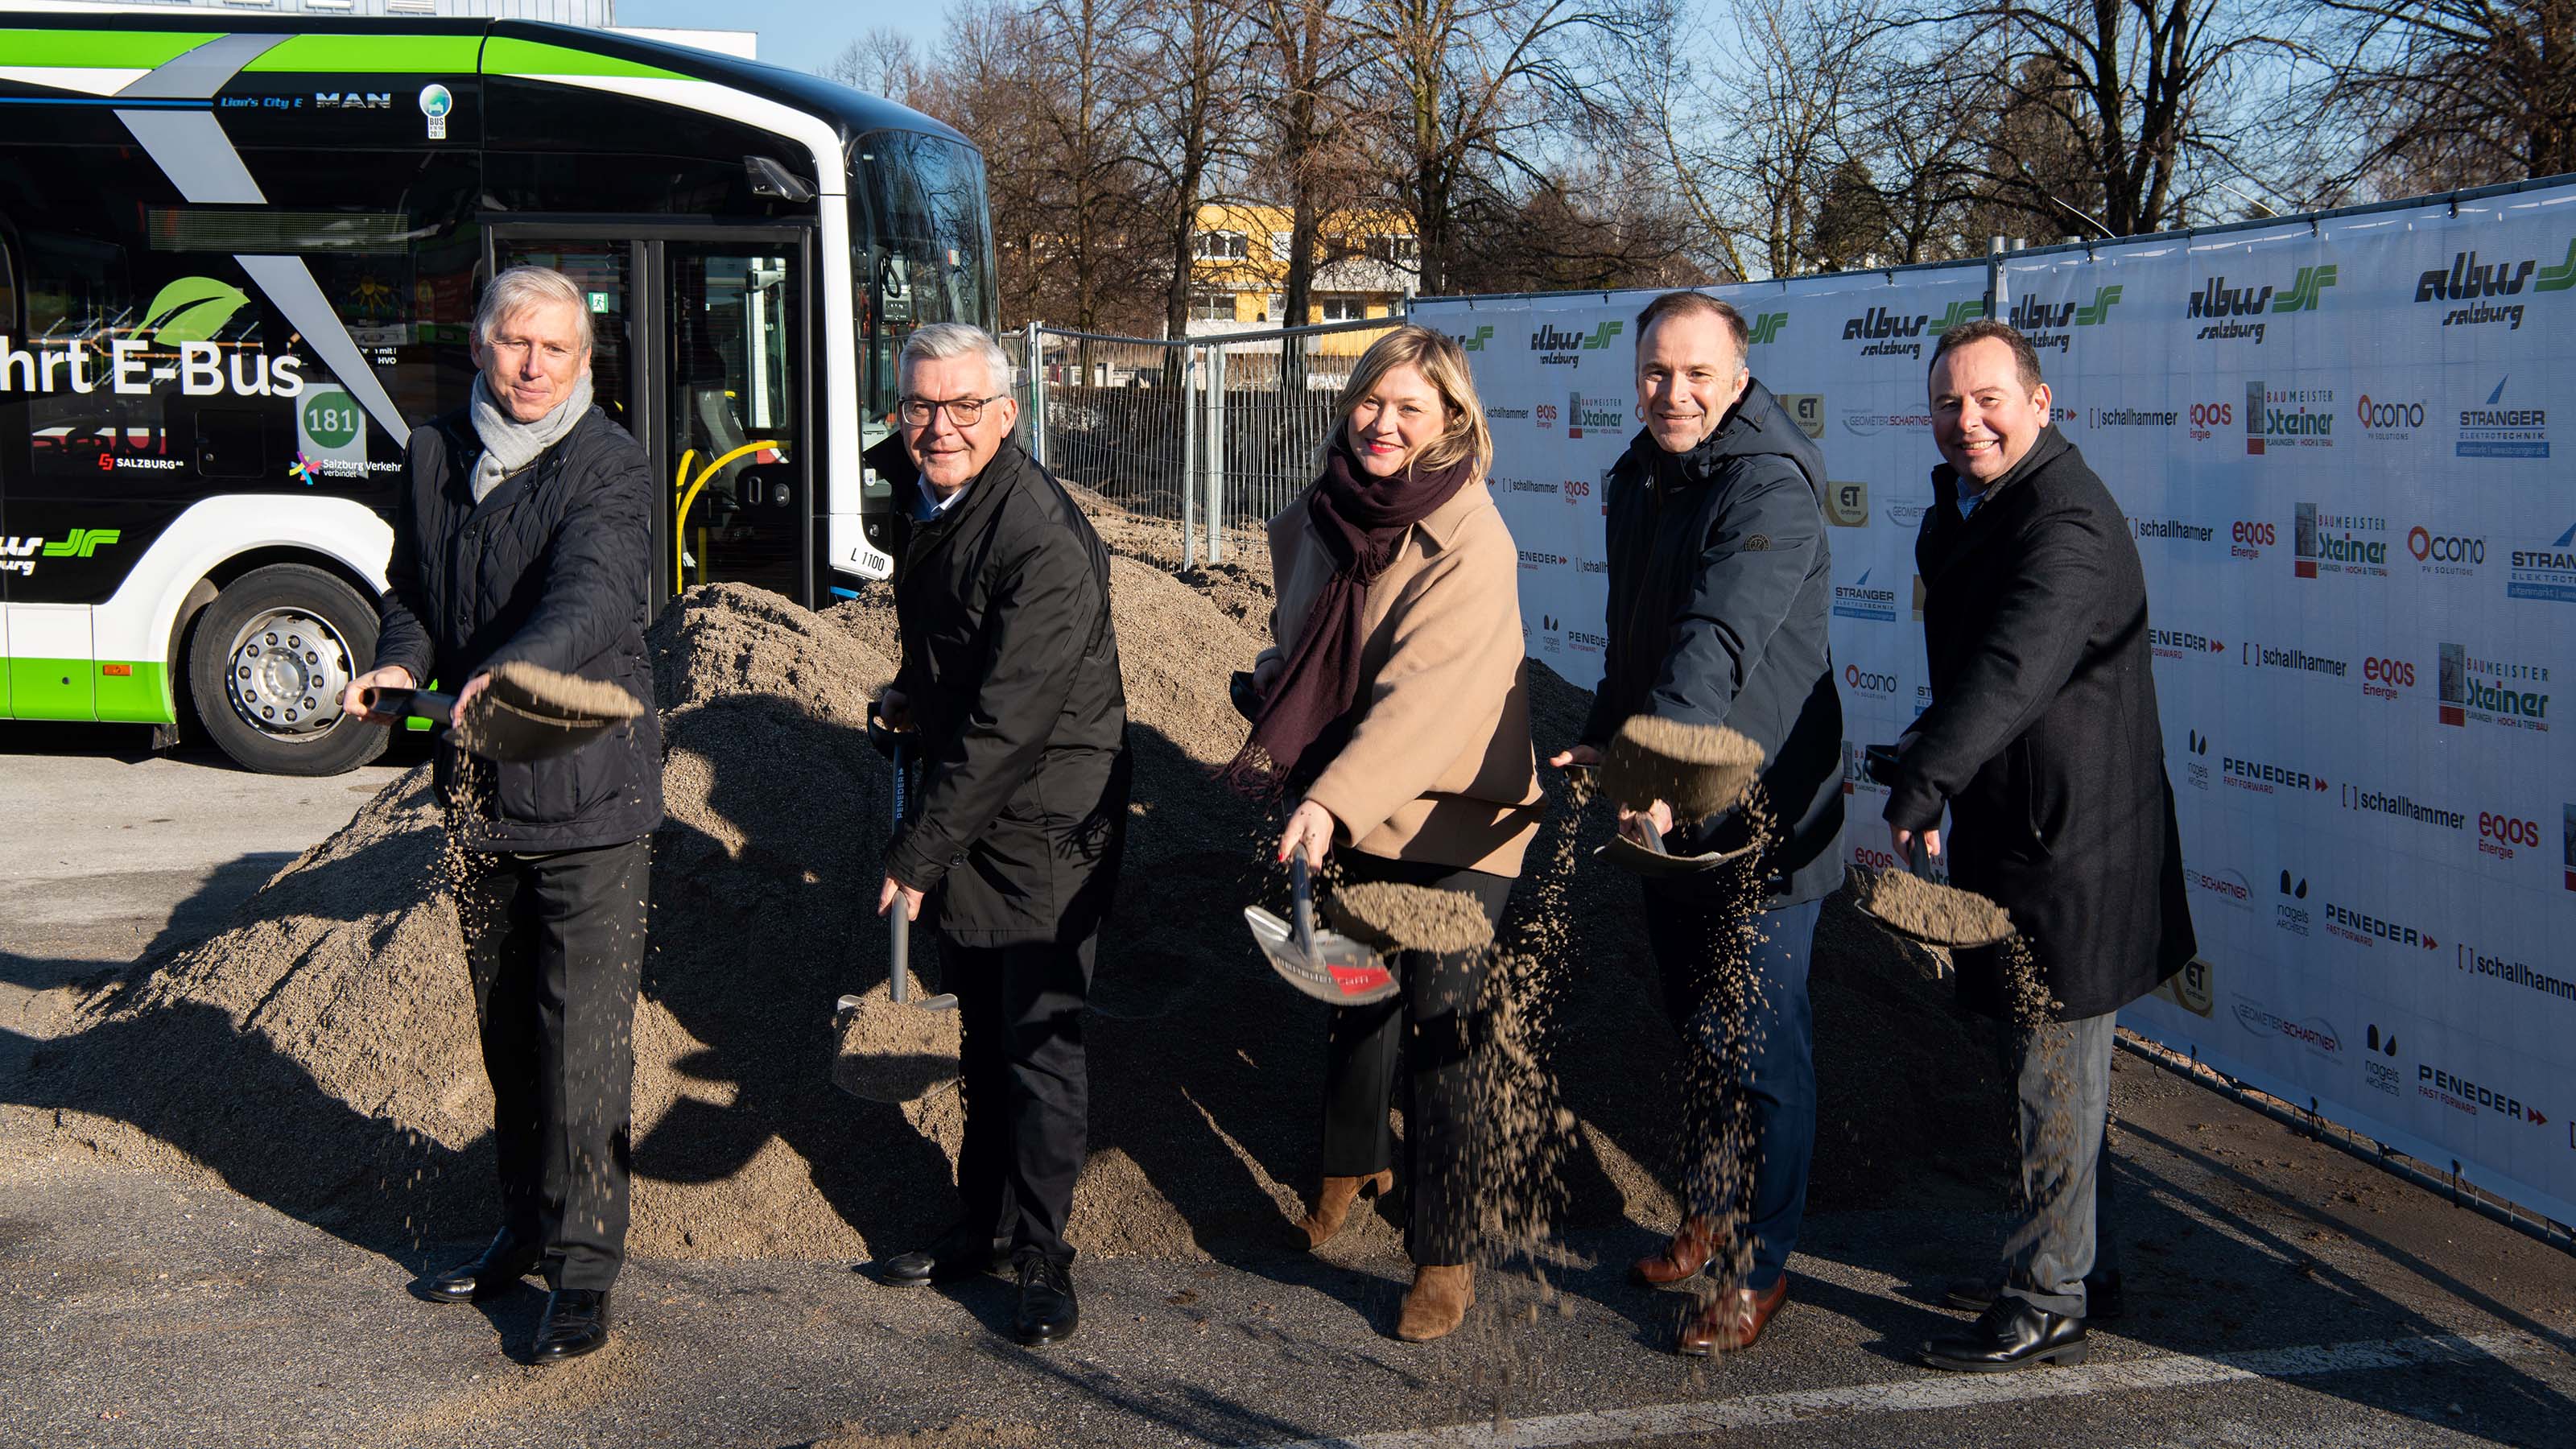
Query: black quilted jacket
point(555, 568)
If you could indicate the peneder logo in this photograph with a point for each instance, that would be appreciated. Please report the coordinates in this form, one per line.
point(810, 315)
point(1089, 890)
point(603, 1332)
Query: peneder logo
point(2207, 419)
point(1847, 504)
point(2182, 644)
point(2222, 307)
point(2496, 429)
point(1599, 414)
point(2474, 289)
point(2288, 913)
point(2195, 767)
point(2456, 554)
point(2363, 928)
point(2227, 885)
point(1858, 600)
point(1586, 642)
point(2548, 573)
point(2388, 422)
point(1532, 559)
point(2277, 418)
point(2462, 1095)
point(1893, 334)
point(2314, 1033)
point(2324, 544)
point(2261, 777)
point(1862, 681)
point(2248, 537)
point(2501, 835)
point(2509, 971)
point(2492, 690)
point(1766, 328)
point(1475, 341)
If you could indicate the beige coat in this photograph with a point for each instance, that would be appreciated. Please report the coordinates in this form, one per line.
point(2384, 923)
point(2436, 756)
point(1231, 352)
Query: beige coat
point(1439, 768)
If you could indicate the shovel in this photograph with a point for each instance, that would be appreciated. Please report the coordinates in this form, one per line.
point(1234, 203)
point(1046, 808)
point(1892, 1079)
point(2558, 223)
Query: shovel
point(1325, 965)
point(493, 728)
point(1882, 768)
point(896, 745)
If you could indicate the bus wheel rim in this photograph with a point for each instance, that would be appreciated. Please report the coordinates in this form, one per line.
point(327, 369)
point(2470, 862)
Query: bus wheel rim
point(285, 672)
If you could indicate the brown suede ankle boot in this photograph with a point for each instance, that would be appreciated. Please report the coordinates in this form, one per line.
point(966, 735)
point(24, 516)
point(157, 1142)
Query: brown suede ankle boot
point(1437, 1304)
point(1333, 1204)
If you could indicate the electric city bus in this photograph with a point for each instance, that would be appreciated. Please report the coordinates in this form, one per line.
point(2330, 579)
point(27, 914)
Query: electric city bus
point(239, 258)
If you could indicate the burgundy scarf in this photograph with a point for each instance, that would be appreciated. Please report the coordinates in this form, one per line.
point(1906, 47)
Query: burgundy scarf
point(1307, 716)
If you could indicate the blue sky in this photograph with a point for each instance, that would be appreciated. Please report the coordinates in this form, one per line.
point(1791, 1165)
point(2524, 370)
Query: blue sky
point(798, 33)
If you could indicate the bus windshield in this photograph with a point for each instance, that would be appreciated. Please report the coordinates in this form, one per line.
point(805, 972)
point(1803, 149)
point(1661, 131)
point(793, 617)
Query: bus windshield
point(923, 253)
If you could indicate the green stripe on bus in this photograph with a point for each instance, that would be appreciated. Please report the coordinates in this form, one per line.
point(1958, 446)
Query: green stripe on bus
point(100, 49)
point(140, 696)
point(503, 55)
point(373, 54)
point(51, 689)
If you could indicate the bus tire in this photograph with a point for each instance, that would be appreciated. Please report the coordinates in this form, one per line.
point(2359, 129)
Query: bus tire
point(271, 655)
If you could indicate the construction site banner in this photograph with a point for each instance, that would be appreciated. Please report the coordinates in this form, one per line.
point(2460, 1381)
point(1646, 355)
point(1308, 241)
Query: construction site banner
point(2333, 439)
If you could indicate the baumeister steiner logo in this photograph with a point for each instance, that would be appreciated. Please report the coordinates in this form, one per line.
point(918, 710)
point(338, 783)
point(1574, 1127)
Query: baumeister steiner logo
point(2284, 417)
point(2323, 543)
point(2492, 691)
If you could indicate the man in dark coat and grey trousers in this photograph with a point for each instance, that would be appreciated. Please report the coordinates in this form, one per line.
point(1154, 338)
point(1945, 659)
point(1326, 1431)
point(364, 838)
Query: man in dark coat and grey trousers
point(1010, 673)
point(525, 535)
point(2043, 740)
point(1720, 588)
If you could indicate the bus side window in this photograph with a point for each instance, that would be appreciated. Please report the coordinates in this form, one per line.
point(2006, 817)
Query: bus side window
point(8, 288)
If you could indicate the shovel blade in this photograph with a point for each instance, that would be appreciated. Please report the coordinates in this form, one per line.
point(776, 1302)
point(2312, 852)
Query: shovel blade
point(1341, 971)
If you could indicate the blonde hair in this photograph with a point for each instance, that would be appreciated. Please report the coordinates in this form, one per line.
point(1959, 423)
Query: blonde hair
point(1438, 358)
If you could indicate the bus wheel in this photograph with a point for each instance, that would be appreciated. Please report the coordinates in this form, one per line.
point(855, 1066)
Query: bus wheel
point(272, 654)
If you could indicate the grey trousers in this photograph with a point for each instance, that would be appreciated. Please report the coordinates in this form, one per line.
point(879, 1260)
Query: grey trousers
point(2061, 1081)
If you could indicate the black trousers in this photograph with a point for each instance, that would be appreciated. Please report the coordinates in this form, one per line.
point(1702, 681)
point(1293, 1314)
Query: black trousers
point(1430, 1029)
point(556, 945)
point(1028, 1098)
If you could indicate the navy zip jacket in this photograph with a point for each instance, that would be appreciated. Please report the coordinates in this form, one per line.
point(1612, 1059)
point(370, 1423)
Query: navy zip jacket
point(1719, 593)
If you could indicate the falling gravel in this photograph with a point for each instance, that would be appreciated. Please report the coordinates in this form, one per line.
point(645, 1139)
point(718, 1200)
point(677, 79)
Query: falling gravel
point(1699, 770)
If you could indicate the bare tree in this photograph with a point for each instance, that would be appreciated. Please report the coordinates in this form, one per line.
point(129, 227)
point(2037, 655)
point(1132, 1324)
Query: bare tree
point(1309, 61)
point(1190, 119)
point(1475, 85)
point(2453, 93)
point(882, 62)
point(2143, 98)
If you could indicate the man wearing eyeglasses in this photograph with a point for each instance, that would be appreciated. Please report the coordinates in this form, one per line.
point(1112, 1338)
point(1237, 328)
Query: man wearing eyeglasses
point(1010, 676)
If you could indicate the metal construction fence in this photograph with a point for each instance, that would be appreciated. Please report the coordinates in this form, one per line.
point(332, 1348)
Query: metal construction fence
point(1211, 434)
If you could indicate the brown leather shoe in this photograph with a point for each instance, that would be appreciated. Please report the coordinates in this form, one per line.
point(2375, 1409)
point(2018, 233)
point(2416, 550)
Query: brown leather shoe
point(1333, 1204)
point(1681, 1259)
point(1437, 1303)
point(1732, 1320)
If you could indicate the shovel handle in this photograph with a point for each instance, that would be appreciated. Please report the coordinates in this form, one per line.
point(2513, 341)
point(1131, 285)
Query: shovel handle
point(438, 709)
point(1301, 888)
point(899, 939)
point(1919, 858)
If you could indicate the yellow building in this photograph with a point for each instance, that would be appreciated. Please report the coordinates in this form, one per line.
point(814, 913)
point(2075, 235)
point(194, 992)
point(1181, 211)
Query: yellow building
point(1370, 265)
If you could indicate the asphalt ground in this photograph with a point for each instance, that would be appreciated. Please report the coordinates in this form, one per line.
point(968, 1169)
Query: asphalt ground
point(2279, 1291)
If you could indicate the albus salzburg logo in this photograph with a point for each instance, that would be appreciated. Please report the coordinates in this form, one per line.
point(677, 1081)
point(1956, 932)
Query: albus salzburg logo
point(2223, 307)
point(1887, 332)
point(2477, 286)
point(1559, 348)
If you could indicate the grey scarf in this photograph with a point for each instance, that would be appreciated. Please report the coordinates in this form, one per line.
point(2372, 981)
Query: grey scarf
point(510, 445)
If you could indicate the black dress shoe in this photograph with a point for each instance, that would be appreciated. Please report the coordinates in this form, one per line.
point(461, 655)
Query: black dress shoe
point(576, 1323)
point(2011, 1335)
point(2103, 1300)
point(959, 1253)
point(1047, 1311)
point(502, 1265)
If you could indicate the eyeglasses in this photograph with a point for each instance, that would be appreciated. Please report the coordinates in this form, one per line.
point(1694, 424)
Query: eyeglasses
point(965, 412)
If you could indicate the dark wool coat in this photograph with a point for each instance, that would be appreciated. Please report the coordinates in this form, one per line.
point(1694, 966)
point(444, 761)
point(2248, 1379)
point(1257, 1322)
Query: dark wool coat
point(1720, 589)
point(1011, 665)
point(2043, 736)
point(553, 567)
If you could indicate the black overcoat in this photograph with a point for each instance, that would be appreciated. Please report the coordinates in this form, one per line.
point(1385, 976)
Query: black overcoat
point(554, 567)
point(1720, 589)
point(1011, 664)
point(2043, 736)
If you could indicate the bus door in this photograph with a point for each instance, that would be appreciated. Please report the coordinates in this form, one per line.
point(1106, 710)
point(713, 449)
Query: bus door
point(702, 350)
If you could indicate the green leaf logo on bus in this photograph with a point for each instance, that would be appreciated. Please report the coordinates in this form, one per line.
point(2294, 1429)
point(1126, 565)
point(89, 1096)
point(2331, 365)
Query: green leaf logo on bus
point(191, 309)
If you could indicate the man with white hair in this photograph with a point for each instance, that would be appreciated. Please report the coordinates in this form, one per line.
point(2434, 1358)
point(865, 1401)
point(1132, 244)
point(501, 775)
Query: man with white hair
point(525, 535)
point(1010, 675)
